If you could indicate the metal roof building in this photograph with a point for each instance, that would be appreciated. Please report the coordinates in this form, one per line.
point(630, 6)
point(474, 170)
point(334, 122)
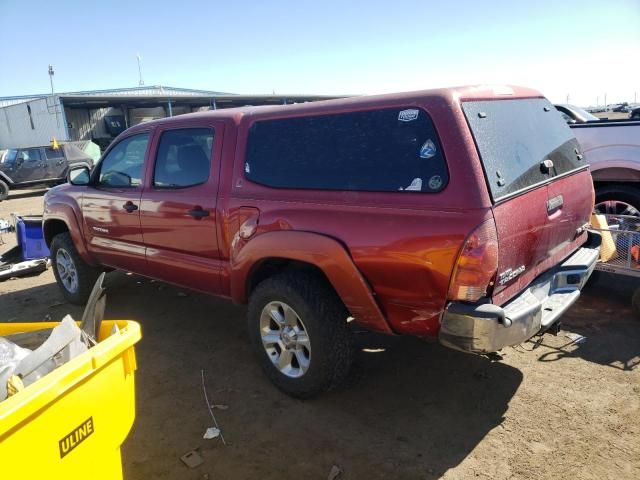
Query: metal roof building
point(100, 115)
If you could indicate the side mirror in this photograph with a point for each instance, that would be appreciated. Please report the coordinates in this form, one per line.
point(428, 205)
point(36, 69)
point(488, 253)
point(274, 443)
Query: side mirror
point(19, 160)
point(79, 176)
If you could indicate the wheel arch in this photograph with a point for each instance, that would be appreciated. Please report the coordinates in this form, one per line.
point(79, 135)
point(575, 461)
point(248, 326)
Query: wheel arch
point(274, 252)
point(6, 179)
point(64, 220)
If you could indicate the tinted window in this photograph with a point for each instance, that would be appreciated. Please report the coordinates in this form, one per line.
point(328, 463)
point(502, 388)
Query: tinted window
point(184, 158)
point(30, 155)
point(53, 154)
point(514, 137)
point(122, 167)
point(9, 157)
point(386, 150)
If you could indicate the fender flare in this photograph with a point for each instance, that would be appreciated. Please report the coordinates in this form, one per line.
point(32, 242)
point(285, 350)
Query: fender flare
point(6, 178)
point(616, 170)
point(66, 214)
point(323, 252)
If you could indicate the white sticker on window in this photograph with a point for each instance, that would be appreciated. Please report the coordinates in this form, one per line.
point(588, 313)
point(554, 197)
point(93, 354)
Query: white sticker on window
point(247, 169)
point(428, 149)
point(416, 185)
point(408, 115)
point(435, 182)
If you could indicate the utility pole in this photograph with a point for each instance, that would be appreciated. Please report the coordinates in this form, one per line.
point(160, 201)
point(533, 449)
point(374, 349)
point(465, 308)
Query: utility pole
point(597, 101)
point(53, 97)
point(605, 102)
point(140, 80)
point(567, 98)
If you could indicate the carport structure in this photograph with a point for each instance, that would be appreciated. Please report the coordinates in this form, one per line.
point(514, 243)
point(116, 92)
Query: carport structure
point(100, 115)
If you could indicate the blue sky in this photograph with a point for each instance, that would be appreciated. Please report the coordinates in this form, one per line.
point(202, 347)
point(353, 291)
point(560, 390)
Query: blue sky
point(581, 48)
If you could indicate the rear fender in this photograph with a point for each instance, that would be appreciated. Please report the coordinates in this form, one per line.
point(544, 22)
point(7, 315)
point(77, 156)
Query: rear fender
point(323, 252)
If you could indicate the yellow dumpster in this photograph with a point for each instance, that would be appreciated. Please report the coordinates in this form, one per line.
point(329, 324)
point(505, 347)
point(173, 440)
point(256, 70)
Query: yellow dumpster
point(70, 423)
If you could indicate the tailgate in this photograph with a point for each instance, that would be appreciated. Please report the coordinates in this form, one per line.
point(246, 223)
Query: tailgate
point(540, 185)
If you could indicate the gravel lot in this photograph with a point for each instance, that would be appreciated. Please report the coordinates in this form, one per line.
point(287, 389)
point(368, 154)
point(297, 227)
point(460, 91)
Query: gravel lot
point(411, 410)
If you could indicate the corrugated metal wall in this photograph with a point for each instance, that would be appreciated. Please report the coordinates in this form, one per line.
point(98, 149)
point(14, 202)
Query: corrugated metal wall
point(87, 124)
point(16, 128)
point(139, 115)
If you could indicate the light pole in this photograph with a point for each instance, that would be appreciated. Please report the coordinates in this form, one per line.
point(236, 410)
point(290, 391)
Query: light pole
point(140, 80)
point(53, 97)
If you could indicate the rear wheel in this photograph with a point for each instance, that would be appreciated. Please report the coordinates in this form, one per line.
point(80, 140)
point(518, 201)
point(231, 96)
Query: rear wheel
point(75, 277)
point(618, 200)
point(298, 329)
point(4, 191)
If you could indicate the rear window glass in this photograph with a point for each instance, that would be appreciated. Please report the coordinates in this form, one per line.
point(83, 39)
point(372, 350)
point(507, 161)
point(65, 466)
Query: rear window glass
point(514, 138)
point(387, 150)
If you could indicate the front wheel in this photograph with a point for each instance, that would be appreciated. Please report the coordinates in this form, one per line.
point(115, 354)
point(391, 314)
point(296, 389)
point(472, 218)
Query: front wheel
point(75, 277)
point(298, 328)
point(4, 191)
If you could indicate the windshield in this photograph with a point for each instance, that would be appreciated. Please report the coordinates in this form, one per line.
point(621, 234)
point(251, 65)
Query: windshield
point(8, 156)
point(514, 138)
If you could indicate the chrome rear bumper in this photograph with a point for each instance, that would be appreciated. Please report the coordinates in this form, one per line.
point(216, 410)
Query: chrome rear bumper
point(485, 328)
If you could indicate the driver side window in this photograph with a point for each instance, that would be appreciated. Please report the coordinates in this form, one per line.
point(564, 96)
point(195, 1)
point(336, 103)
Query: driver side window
point(123, 165)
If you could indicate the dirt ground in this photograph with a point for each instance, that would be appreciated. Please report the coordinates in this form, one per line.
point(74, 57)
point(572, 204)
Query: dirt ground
point(411, 409)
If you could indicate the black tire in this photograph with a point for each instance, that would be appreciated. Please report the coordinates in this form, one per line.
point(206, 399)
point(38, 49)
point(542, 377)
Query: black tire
point(324, 317)
point(621, 193)
point(86, 274)
point(4, 191)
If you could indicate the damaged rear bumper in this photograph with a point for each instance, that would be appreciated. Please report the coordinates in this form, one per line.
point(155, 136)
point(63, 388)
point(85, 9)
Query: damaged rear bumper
point(485, 328)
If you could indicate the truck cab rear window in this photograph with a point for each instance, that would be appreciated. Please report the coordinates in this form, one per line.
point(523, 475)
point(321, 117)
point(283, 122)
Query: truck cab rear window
point(388, 150)
point(514, 138)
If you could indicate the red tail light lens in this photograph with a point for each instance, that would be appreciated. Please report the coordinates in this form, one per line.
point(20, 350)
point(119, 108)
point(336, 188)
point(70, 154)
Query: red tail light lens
point(477, 264)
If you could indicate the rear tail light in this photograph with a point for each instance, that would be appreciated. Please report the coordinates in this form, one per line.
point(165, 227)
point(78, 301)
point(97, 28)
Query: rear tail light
point(477, 264)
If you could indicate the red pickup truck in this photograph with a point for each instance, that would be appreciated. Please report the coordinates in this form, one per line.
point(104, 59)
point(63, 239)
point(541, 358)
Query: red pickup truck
point(457, 214)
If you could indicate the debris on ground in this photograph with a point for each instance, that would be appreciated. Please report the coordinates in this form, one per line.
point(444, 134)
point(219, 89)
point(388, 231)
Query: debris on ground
point(334, 473)
point(220, 406)
point(211, 432)
point(206, 399)
point(576, 338)
point(192, 459)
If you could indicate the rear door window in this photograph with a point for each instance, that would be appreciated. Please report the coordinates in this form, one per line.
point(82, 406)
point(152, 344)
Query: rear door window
point(514, 138)
point(386, 150)
point(183, 158)
point(54, 153)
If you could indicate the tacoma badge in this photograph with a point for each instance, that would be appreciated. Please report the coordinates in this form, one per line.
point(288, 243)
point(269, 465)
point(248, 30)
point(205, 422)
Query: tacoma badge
point(510, 274)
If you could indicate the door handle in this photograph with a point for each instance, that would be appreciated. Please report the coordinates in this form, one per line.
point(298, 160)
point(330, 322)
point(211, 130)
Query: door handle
point(60, 162)
point(554, 204)
point(130, 207)
point(198, 212)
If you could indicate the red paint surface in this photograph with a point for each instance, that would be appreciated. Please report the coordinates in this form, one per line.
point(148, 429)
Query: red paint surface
point(388, 255)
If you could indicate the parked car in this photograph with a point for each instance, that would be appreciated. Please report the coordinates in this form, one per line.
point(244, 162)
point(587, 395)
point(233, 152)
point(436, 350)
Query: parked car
point(635, 114)
point(573, 114)
point(612, 148)
point(454, 214)
point(34, 166)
